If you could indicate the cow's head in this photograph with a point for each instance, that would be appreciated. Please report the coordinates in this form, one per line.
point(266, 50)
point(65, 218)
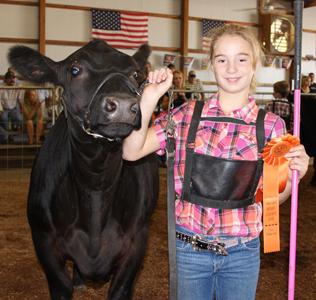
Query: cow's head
point(100, 84)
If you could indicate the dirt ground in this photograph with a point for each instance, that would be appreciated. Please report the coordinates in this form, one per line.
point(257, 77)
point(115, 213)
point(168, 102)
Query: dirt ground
point(21, 277)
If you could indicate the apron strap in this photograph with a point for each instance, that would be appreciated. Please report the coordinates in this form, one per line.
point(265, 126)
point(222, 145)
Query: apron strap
point(260, 133)
point(190, 147)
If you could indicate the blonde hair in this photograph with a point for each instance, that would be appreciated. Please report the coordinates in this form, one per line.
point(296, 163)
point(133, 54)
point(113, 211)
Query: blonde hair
point(248, 36)
point(305, 80)
point(181, 74)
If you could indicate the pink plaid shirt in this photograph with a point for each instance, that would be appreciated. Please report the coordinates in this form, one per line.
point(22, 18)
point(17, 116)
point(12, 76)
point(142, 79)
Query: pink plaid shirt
point(219, 139)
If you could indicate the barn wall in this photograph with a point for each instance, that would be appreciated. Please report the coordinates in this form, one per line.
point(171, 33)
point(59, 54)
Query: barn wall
point(21, 22)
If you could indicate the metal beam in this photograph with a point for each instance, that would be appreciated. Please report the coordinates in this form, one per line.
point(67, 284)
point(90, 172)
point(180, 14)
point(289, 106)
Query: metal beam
point(184, 33)
point(42, 26)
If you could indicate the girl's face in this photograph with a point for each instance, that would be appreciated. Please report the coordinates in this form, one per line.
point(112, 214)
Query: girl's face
point(233, 64)
point(177, 80)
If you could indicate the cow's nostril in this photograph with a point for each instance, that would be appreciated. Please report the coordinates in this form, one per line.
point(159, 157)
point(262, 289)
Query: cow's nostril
point(110, 105)
point(135, 108)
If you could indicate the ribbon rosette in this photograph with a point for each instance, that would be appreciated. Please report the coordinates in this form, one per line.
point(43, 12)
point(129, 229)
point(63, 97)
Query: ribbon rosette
point(275, 172)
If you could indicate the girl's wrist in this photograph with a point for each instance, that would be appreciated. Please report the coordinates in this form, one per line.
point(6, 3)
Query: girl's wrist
point(149, 102)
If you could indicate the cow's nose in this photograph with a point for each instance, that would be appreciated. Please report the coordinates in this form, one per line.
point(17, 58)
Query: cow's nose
point(124, 107)
point(135, 108)
point(110, 105)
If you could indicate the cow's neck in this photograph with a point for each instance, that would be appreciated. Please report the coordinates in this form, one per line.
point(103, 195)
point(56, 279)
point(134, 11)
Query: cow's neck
point(95, 224)
point(96, 163)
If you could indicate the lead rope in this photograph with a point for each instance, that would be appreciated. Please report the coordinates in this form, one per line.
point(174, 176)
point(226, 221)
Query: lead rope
point(171, 202)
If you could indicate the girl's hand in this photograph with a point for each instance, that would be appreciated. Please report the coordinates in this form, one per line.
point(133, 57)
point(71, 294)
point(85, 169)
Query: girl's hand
point(298, 160)
point(159, 83)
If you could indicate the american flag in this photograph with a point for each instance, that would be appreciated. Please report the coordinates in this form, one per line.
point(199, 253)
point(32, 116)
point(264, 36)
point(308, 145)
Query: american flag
point(207, 26)
point(120, 30)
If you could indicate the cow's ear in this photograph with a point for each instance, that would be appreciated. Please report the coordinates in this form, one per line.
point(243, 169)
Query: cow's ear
point(32, 65)
point(141, 56)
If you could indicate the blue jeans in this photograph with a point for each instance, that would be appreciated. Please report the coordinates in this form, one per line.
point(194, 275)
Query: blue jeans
point(3, 135)
point(204, 275)
point(14, 115)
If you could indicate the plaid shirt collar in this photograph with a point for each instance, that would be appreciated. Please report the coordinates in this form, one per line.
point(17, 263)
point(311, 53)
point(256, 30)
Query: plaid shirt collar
point(247, 113)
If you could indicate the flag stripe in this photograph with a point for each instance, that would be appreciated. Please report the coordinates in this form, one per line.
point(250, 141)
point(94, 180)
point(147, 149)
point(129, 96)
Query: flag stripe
point(117, 41)
point(125, 46)
point(133, 20)
point(130, 32)
point(120, 30)
point(119, 34)
point(126, 39)
point(136, 15)
point(131, 26)
point(134, 30)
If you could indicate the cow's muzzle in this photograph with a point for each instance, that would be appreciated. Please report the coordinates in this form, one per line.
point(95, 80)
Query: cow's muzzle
point(125, 109)
point(112, 106)
point(116, 109)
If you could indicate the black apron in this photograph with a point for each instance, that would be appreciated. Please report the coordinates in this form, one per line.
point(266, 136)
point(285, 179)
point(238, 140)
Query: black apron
point(219, 182)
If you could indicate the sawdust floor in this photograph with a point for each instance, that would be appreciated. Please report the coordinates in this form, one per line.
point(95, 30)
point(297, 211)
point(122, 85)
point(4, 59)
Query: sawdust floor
point(21, 276)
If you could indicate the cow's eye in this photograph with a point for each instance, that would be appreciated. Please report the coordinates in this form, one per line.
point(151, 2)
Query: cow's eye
point(75, 71)
point(135, 75)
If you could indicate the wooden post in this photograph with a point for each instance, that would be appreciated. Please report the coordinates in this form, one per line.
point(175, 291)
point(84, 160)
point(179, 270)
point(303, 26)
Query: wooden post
point(41, 26)
point(184, 34)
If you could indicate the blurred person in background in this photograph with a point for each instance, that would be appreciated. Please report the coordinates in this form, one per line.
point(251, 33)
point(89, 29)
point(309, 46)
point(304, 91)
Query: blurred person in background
point(33, 117)
point(193, 83)
point(312, 86)
point(11, 117)
point(305, 83)
point(177, 84)
point(172, 67)
point(178, 98)
point(148, 68)
point(280, 105)
point(3, 132)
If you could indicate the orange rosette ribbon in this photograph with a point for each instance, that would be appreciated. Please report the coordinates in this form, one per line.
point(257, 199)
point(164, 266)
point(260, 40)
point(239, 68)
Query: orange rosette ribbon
point(275, 173)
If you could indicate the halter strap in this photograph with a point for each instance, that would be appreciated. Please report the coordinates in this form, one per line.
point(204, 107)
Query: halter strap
point(83, 122)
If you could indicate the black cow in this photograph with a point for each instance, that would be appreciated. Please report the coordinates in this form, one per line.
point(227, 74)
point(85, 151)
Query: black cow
point(308, 127)
point(85, 204)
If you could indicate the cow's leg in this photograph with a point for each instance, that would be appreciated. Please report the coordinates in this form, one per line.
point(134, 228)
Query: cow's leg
point(77, 280)
point(54, 266)
point(124, 277)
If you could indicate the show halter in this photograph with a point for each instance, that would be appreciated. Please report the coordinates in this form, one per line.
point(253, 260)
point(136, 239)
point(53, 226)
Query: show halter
point(84, 123)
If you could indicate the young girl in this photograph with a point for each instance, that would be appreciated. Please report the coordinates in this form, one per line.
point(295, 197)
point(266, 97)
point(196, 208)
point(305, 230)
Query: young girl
point(226, 134)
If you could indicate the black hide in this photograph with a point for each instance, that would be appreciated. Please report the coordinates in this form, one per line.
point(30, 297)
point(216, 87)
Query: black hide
point(85, 203)
point(308, 123)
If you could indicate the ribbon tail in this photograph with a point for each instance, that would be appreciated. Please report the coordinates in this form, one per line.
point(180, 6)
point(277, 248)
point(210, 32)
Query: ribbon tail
point(283, 173)
point(271, 228)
